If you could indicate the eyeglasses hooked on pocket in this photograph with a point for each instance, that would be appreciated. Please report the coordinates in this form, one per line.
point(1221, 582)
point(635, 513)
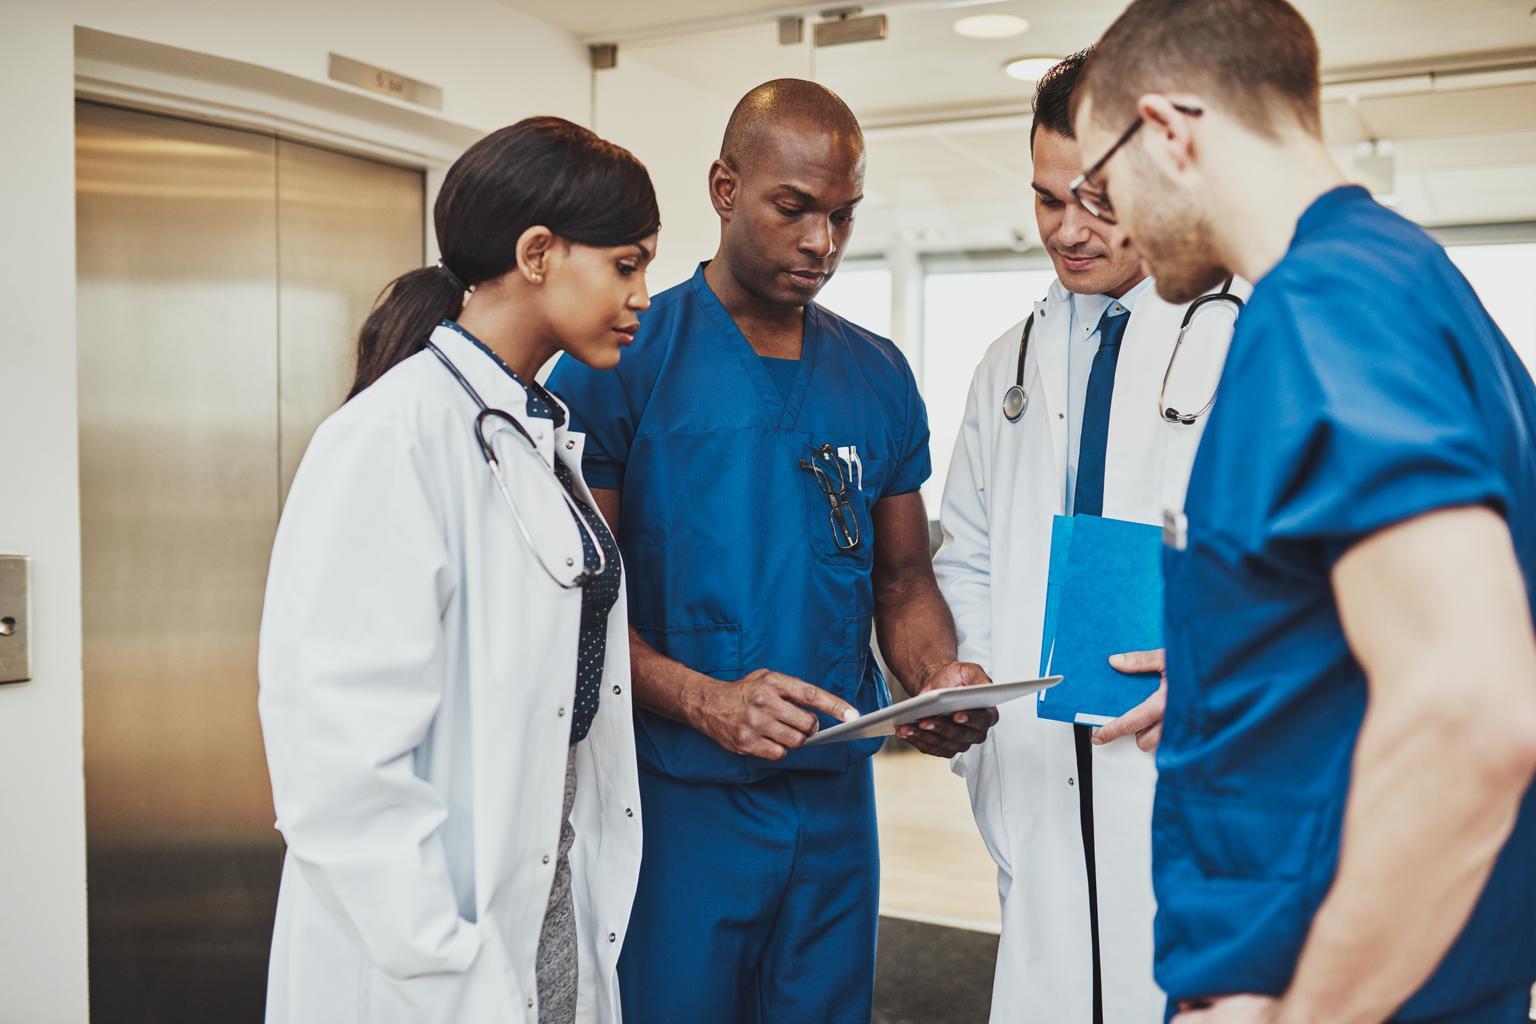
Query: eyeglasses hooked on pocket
point(838, 472)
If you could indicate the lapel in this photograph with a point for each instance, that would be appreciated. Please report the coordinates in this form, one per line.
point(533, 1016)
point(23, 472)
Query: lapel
point(1048, 340)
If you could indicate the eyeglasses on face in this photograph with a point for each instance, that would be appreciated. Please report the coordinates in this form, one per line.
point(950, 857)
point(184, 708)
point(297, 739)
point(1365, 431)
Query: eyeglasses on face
point(1093, 196)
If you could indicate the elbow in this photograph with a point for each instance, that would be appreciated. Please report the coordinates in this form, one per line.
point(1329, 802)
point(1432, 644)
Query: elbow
point(1520, 743)
point(1500, 740)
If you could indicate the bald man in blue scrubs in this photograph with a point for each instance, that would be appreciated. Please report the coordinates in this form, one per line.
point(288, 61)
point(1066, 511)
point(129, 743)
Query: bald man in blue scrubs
point(1345, 825)
point(761, 458)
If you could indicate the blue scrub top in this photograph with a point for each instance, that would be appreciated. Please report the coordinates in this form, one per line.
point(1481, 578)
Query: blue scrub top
point(1366, 385)
point(731, 557)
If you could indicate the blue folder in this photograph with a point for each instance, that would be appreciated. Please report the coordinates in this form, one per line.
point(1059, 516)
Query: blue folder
point(1104, 596)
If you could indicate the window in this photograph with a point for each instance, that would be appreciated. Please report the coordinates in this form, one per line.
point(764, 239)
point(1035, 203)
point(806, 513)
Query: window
point(1502, 276)
point(963, 314)
point(861, 294)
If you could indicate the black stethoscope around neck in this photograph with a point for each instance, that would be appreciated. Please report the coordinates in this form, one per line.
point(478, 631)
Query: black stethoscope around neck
point(487, 412)
point(1016, 399)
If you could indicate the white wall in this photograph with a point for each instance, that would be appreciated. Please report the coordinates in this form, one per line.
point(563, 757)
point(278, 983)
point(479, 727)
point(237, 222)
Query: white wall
point(493, 65)
point(667, 102)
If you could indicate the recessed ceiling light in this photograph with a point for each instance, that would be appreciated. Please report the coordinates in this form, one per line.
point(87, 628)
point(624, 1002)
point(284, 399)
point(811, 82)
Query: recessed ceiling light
point(1029, 69)
point(991, 26)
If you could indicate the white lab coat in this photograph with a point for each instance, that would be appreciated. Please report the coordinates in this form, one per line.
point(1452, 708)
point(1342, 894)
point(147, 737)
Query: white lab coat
point(1006, 482)
point(417, 673)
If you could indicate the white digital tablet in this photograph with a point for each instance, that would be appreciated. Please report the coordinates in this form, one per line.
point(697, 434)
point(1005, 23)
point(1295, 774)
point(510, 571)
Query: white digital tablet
point(932, 704)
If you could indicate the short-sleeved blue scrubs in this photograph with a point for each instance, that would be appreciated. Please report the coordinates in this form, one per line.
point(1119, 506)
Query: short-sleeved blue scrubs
point(1366, 385)
point(758, 889)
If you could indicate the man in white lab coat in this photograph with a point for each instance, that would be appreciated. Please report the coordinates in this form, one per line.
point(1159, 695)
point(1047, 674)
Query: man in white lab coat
point(1067, 814)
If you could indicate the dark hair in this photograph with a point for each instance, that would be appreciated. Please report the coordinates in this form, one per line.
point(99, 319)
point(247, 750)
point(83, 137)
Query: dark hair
point(1257, 59)
point(1053, 97)
point(541, 171)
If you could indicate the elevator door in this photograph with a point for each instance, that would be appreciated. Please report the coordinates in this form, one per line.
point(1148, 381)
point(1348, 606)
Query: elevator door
point(222, 277)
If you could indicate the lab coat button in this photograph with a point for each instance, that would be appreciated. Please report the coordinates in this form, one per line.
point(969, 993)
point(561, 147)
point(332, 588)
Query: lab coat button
point(612, 937)
point(569, 445)
point(618, 690)
point(561, 712)
point(1070, 782)
point(570, 562)
point(530, 1004)
point(629, 812)
point(546, 858)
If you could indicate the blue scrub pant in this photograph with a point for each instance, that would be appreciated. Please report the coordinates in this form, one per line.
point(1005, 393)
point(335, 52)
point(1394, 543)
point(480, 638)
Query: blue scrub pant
point(758, 902)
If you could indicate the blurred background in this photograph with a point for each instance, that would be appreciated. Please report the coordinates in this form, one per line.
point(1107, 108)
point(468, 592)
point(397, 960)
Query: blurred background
point(202, 200)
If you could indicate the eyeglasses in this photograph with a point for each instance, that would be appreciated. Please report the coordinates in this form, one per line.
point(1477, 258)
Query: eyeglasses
point(825, 465)
point(1095, 198)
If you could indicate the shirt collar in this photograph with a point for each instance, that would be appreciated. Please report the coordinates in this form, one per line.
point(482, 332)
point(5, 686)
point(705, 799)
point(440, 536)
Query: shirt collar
point(540, 402)
point(1088, 310)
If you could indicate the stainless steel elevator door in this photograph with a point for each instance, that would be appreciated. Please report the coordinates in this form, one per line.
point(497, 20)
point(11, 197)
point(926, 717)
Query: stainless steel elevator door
point(346, 227)
point(222, 278)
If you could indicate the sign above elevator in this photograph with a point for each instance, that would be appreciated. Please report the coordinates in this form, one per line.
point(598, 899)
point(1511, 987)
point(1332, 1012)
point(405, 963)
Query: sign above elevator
point(366, 76)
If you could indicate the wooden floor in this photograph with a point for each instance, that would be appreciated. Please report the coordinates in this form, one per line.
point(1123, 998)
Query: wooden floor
point(933, 865)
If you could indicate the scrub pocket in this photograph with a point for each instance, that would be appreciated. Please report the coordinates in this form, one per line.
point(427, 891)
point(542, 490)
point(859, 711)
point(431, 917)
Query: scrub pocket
point(1233, 873)
point(860, 471)
point(713, 649)
point(672, 748)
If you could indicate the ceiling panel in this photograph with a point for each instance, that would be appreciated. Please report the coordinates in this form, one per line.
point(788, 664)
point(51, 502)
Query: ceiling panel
point(1462, 156)
point(925, 68)
point(597, 17)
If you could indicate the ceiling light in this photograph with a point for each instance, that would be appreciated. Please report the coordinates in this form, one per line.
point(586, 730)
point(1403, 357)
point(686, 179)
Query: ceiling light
point(1029, 69)
point(991, 26)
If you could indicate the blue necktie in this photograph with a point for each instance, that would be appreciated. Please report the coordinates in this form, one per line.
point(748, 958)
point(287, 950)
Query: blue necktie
point(1094, 441)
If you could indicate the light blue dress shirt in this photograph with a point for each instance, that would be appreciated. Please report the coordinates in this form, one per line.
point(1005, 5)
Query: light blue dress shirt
point(1082, 345)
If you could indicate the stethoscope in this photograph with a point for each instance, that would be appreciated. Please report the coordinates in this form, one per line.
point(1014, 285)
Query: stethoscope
point(489, 454)
point(1016, 399)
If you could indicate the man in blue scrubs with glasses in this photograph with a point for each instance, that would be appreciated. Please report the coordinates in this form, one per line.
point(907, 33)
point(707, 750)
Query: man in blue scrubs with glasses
point(761, 458)
point(1345, 825)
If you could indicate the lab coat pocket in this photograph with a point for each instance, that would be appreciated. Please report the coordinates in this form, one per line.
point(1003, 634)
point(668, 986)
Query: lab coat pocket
point(486, 992)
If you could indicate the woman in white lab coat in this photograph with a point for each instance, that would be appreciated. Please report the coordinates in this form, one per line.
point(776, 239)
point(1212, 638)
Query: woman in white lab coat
point(444, 654)
point(1005, 484)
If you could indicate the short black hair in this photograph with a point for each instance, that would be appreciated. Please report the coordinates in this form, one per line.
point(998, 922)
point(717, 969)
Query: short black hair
point(1053, 96)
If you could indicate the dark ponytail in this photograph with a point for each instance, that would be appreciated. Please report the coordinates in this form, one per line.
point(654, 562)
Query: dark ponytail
point(541, 171)
point(411, 305)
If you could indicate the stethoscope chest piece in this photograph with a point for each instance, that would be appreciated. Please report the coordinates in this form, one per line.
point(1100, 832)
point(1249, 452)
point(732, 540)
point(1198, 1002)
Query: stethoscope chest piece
point(1015, 401)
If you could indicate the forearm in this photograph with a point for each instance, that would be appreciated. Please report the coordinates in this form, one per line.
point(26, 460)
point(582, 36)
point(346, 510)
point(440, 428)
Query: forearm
point(663, 685)
point(1433, 798)
point(914, 627)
